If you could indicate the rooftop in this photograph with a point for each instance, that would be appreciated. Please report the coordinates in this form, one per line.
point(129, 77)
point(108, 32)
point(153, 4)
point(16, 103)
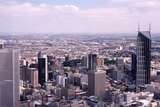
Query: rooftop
point(146, 34)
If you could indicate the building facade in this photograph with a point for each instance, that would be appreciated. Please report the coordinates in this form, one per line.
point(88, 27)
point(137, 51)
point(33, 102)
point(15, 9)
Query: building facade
point(96, 83)
point(9, 78)
point(92, 62)
point(143, 58)
point(42, 70)
point(134, 66)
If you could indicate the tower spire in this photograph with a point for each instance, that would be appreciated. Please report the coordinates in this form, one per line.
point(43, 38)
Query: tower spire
point(138, 27)
point(150, 27)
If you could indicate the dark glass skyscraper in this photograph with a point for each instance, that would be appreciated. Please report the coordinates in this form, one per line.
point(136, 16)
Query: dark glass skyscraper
point(92, 62)
point(42, 70)
point(134, 66)
point(143, 58)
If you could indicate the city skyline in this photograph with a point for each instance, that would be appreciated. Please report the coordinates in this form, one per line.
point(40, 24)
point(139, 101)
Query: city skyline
point(63, 71)
point(79, 53)
point(96, 16)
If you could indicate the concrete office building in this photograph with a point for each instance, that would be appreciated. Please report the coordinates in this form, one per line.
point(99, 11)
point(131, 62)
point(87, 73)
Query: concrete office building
point(33, 76)
point(84, 61)
point(24, 74)
point(100, 62)
point(96, 83)
point(143, 58)
point(120, 64)
point(9, 78)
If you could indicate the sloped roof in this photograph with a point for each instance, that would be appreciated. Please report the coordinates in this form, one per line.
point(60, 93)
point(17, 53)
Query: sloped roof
point(146, 34)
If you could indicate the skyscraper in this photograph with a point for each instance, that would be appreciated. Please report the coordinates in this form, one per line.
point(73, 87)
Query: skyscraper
point(92, 62)
point(42, 70)
point(96, 83)
point(96, 78)
point(33, 76)
point(84, 61)
point(9, 78)
point(143, 58)
point(134, 66)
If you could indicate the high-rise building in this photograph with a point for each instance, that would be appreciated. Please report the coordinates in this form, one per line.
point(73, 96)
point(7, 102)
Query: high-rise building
point(42, 70)
point(1, 44)
point(96, 83)
point(100, 62)
point(9, 78)
point(84, 61)
point(66, 57)
point(24, 74)
point(33, 76)
point(50, 60)
point(39, 55)
point(134, 66)
point(92, 62)
point(143, 58)
point(120, 64)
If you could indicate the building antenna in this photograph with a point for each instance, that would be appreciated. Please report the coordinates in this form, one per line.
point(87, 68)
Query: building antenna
point(150, 27)
point(138, 27)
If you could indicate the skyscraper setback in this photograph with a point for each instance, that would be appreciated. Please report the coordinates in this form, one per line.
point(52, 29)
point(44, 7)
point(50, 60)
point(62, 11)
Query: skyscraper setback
point(96, 78)
point(143, 58)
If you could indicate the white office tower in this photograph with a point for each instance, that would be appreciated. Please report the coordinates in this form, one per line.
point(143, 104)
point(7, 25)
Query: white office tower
point(9, 78)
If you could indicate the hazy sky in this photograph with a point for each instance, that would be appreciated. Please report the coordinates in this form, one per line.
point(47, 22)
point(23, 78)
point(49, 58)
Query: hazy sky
point(78, 16)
